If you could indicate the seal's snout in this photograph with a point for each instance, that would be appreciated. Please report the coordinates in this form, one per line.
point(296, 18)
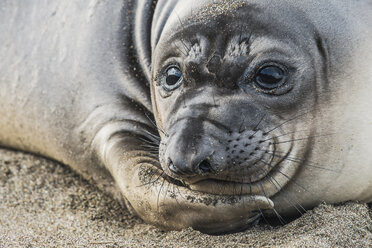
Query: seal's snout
point(211, 153)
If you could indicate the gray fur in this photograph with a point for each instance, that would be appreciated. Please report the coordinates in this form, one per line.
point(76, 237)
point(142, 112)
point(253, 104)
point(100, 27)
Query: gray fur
point(81, 84)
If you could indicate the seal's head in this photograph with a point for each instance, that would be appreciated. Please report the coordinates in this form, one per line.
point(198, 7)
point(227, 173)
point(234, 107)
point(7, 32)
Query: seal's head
point(235, 88)
point(228, 86)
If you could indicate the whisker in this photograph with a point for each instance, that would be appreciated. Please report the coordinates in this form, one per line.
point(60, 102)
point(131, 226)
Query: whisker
point(282, 221)
point(299, 204)
point(294, 118)
point(299, 161)
point(284, 134)
point(310, 137)
point(179, 193)
point(259, 209)
point(165, 195)
point(150, 145)
point(154, 138)
point(255, 128)
point(262, 215)
point(278, 187)
point(299, 185)
point(150, 148)
point(161, 187)
point(179, 19)
point(152, 152)
point(288, 198)
point(179, 49)
point(149, 142)
point(174, 193)
point(154, 124)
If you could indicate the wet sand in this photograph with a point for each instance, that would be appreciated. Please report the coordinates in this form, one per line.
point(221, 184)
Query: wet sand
point(45, 204)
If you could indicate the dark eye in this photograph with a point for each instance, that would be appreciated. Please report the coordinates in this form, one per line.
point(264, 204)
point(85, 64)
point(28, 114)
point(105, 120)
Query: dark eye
point(270, 77)
point(173, 78)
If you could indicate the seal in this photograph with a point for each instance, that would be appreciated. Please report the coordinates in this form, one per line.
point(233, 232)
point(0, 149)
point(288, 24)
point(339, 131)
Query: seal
point(203, 114)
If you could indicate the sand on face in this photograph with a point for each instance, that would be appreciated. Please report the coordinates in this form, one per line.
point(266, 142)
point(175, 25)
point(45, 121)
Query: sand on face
point(45, 204)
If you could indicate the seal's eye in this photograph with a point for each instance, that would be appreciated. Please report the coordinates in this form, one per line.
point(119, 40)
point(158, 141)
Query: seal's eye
point(173, 78)
point(269, 77)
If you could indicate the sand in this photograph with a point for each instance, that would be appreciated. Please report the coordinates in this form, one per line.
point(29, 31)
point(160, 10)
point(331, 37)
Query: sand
point(45, 204)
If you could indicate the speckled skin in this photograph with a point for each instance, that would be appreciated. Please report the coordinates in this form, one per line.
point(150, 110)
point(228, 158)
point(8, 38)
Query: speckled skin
point(81, 84)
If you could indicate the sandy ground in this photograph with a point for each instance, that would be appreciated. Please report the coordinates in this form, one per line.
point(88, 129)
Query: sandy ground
point(44, 204)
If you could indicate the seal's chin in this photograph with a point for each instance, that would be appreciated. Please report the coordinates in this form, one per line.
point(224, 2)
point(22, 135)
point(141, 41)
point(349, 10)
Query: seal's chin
point(226, 197)
point(207, 212)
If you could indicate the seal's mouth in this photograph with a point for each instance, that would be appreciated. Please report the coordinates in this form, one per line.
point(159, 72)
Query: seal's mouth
point(218, 186)
point(221, 187)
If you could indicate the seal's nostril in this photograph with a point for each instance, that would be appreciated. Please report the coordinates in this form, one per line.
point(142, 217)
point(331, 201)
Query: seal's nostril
point(172, 167)
point(205, 166)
